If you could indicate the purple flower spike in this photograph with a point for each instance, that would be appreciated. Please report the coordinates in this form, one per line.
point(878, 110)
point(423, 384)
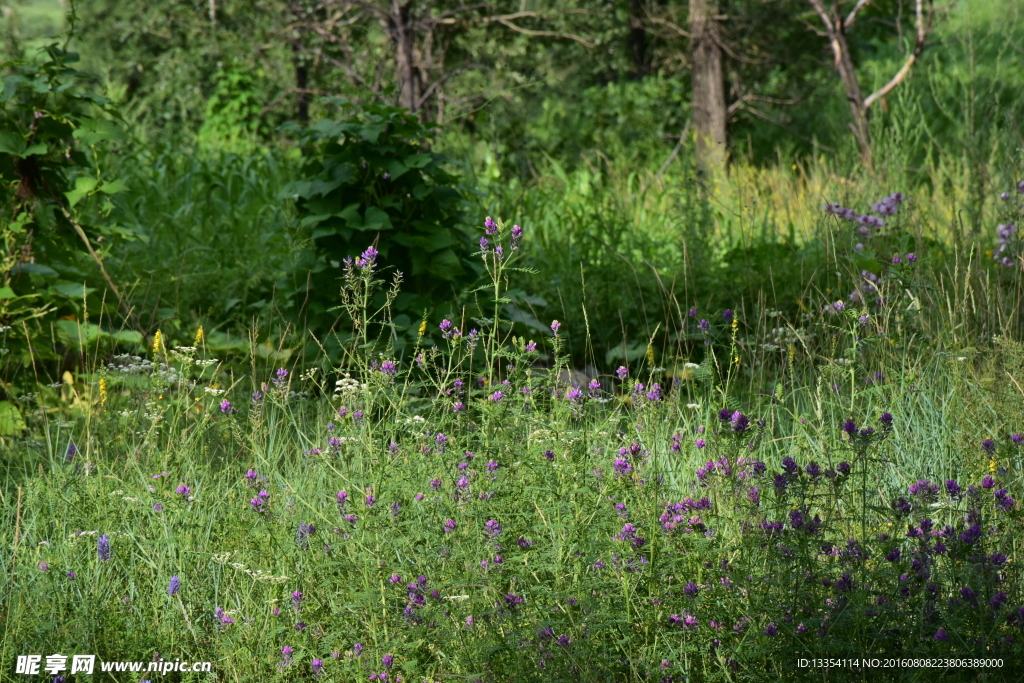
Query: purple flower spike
point(103, 548)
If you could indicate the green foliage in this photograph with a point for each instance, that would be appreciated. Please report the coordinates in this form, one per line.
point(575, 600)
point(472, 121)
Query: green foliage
point(370, 179)
point(160, 60)
point(524, 531)
point(50, 125)
point(234, 113)
point(214, 241)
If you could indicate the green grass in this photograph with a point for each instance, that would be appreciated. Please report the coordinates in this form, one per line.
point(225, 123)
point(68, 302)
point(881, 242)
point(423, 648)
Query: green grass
point(542, 464)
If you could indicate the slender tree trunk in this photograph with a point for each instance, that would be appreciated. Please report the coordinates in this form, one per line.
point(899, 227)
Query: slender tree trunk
point(844, 65)
point(637, 39)
point(708, 81)
point(302, 85)
point(405, 56)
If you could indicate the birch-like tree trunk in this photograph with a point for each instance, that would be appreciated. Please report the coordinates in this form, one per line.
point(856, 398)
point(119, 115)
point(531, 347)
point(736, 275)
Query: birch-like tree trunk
point(710, 113)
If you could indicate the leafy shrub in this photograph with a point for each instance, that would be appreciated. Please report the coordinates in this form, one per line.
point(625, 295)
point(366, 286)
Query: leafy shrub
point(370, 177)
point(50, 124)
point(234, 113)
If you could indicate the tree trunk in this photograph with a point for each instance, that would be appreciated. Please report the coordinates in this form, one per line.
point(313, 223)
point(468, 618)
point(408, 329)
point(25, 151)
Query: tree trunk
point(844, 65)
point(301, 85)
point(708, 81)
point(405, 56)
point(637, 39)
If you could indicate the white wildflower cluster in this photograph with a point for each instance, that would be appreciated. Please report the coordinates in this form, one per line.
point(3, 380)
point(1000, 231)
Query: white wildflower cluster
point(257, 574)
point(207, 363)
point(184, 354)
point(76, 536)
point(781, 337)
point(540, 435)
point(415, 419)
point(346, 387)
point(123, 497)
point(308, 374)
point(214, 392)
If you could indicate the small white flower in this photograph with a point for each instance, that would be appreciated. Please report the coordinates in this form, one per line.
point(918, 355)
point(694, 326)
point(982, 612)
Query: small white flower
point(693, 406)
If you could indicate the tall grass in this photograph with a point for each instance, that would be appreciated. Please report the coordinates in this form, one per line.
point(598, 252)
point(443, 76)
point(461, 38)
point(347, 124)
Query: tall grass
point(450, 516)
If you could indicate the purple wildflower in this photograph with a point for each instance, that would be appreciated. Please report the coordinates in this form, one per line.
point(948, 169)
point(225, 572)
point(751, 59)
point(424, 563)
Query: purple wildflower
point(103, 548)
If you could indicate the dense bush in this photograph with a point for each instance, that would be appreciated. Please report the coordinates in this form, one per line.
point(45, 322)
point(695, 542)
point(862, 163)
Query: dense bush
point(370, 177)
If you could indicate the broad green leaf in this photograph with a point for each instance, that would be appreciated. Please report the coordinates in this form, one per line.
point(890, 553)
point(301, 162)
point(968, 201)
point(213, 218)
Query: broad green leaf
point(417, 160)
point(323, 232)
point(83, 186)
point(11, 421)
point(11, 84)
point(92, 131)
point(7, 293)
point(78, 333)
point(396, 169)
point(371, 131)
point(72, 290)
point(39, 149)
point(37, 268)
point(113, 187)
point(376, 219)
point(11, 143)
point(126, 337)
point(322, 187)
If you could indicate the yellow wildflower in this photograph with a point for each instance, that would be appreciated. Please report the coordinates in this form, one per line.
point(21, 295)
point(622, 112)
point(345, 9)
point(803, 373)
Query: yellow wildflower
point(158, 342)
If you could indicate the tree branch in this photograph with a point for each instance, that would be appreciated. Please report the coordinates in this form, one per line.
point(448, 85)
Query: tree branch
point(825, 19)
point(440, 81)
point(922, 34)
point(553, 34)
point(852, 16)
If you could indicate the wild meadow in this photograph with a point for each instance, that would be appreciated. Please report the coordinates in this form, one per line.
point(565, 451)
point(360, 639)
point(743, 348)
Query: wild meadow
point(464, 511)
point(519, 388)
